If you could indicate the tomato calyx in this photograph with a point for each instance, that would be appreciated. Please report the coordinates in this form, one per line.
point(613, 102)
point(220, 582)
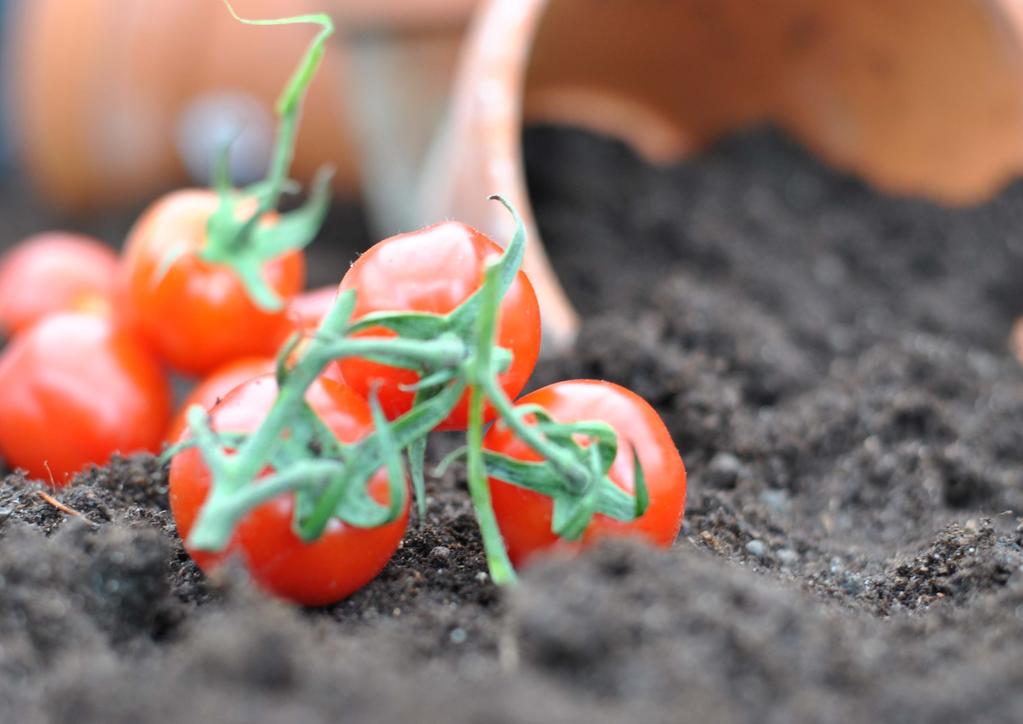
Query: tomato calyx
point(584, 488)
point(236, 240)
point(451, 353)
point(235, 237)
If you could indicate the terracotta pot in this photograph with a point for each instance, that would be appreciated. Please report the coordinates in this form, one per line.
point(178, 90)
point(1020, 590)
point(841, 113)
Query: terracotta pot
point(918, 97)
point(401, 56)
point(111, 100)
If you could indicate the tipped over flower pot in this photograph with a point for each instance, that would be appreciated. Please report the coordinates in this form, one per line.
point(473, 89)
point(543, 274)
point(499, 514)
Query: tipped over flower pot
point(918, 98)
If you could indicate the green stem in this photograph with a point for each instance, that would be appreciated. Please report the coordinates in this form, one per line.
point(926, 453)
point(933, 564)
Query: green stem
point(252, 455)
point(501, 570)
point(564, 461)
point(290, 101)
point(235, 236)
point(399, 352)
point(414, 424)
point(249, 461)
point(417, 464)
point(234, 490)
point(480, 370)
point(222, 511)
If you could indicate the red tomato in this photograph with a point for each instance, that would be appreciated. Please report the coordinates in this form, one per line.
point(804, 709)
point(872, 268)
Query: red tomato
point(307, 310)
point(344, 559)
point(53, 272)
point(434, 270)
point(198, 316)
point(77, 389)
point(214, 387)
point(525, 517)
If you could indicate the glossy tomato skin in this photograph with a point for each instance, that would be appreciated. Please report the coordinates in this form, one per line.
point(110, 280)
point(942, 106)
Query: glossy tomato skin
point(525, 517)
point(197, 316)
point(53, 272)
point(77, 389)
point(344, 559)
point(434, 270)
point(215, 386)
point(305, 312)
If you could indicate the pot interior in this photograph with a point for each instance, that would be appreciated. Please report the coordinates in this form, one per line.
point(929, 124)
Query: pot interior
point(920, 98)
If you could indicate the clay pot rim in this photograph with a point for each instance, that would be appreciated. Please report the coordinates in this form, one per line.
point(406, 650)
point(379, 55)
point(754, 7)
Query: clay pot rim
point(399, 15)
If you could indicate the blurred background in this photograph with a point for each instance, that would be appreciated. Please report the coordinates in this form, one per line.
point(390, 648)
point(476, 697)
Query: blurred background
point(420, 105)
point(110, 101)
point(106, 104)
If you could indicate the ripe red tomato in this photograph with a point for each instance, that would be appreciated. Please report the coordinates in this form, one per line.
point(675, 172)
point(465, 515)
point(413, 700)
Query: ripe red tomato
point(434, 270)
point(525, 517)
point(336, 565)
point(76, 389)
point(197, 316)
point(53, 272)
point(305, 312)
point(215, 386)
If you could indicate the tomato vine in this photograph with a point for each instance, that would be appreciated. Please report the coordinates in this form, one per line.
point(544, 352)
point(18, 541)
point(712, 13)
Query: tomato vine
point(451, 353)
point(235, 237)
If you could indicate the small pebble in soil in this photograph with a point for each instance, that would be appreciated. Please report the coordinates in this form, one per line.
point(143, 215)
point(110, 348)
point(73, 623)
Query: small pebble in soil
point(756, 548)
point(787, 556)
point(440, 555)
point(776, 500)
point(723, 470)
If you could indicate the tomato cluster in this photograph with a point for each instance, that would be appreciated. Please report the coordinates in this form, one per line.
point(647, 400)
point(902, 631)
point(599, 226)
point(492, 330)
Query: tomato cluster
point(290, 452)
point(207, 277)
point(91, 337)
point(85, 381)
point(437, 271)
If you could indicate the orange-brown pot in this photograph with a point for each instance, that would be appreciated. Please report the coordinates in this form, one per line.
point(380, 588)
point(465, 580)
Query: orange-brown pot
point(101, 90)
point(918, 97)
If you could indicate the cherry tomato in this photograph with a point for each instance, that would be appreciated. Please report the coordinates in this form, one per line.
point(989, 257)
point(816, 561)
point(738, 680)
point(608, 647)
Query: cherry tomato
point(215, 386)
point(344, 559)
point(525, 517)
point(53, 272)
point(434, 270)
point(76, 389)
point(197, 316)
point(305, 312)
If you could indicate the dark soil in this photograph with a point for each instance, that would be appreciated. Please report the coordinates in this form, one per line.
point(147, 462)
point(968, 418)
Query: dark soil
point(833, 366)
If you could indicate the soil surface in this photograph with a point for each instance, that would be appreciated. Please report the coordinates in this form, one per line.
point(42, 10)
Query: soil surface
point(831, 362)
